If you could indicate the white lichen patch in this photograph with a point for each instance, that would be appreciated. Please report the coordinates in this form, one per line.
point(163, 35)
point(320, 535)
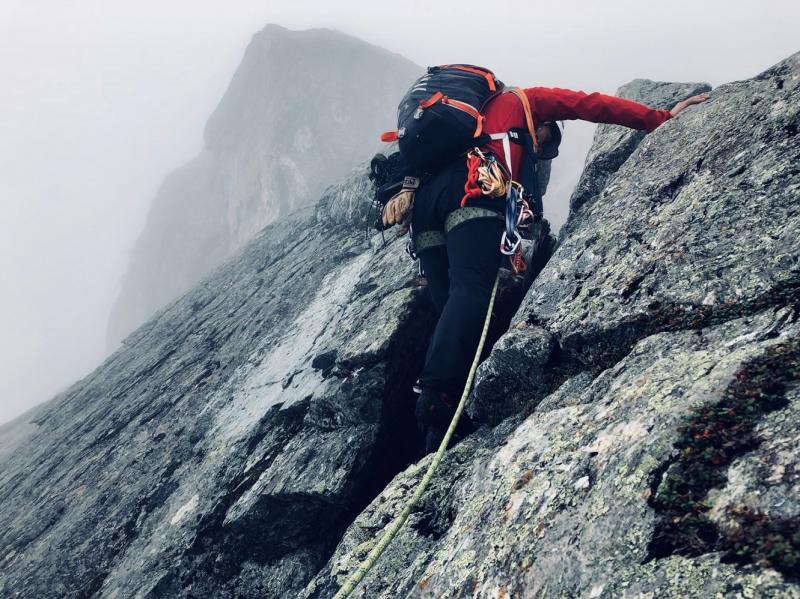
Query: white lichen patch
point(582, 483)
point(285, 371)
point(186, 509)
point(621, 435)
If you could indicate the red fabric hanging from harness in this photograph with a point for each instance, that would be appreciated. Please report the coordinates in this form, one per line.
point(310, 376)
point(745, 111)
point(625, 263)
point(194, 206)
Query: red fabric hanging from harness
point(471, 187)
point(517, 261)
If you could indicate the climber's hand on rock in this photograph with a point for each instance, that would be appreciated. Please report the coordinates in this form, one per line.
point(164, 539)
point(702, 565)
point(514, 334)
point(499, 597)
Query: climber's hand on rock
point(398, 207)
point(683, 104)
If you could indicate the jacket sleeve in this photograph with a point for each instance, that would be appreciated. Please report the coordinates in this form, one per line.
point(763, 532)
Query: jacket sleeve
point(556, 104)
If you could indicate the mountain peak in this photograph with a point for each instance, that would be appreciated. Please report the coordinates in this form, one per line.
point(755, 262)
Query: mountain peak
point(302, 109)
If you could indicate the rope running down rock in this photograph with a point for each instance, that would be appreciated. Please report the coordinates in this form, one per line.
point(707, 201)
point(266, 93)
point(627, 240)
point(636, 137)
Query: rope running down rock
point(394, 528)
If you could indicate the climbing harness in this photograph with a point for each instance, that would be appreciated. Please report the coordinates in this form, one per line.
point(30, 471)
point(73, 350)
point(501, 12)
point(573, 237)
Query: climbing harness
point(462, 215)
point(431, 239)
point(394, 528)
point(425, 241)
point(486, 176)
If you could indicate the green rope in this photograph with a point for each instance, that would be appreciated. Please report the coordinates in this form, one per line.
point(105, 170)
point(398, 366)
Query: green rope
point(376, 551)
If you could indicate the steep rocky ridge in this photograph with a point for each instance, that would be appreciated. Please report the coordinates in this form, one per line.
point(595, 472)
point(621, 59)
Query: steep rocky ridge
point(643, 398)
point(256, 436)
point(613, 144)
point(302, 109)
point(222, 449)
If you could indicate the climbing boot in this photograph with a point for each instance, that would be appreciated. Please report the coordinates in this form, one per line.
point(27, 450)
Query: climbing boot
point(433, 438)
point(434, 411)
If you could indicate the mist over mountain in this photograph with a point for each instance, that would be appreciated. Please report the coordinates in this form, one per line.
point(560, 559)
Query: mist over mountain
point(302, 109)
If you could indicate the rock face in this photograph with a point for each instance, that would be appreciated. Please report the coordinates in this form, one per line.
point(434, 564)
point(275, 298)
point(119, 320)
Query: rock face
point(639, 417)
point(224, 447)
point(643, 396)
point(614, 144)
point(303, 108)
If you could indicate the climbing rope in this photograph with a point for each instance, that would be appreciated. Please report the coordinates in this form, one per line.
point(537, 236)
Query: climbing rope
point(394, 528)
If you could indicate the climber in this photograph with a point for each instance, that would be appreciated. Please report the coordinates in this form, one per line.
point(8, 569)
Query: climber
point(457, 244)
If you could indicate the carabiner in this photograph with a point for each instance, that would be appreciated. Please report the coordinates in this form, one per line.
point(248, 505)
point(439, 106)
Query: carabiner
point(506, 247)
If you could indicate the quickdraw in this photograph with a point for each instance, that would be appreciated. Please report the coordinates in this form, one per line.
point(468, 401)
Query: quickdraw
point(517, 213)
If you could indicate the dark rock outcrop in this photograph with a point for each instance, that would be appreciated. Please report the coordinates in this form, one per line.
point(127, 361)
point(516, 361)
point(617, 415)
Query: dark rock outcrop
point(302, 109)
point(256, 436)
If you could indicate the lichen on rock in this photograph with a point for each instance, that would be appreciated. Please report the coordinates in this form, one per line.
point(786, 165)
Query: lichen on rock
point(673, 279)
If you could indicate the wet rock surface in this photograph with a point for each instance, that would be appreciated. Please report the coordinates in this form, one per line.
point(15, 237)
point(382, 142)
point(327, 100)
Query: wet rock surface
point(215, 453)
point(613, 144)
point(557, 504)
point(694, 221)
point(695, 227)
point(639, 416)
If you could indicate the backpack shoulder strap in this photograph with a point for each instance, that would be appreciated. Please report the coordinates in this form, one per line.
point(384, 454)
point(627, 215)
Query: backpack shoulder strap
point(526, 105)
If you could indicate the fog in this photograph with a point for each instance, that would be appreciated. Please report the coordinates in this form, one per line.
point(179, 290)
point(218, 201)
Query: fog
point(99, 100)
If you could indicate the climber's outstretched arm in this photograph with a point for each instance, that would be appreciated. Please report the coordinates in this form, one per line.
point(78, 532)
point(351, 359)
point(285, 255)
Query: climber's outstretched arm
point(684, 104)
point(555, 104)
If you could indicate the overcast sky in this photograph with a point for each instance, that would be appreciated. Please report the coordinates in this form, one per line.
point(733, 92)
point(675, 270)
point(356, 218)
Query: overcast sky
point(100, 99)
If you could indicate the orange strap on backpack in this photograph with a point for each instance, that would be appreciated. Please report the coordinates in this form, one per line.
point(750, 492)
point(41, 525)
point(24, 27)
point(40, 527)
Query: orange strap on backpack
point(488, 75)
point(526, 106)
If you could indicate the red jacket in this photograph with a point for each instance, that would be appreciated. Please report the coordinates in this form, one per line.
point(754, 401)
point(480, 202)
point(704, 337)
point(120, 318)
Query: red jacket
point(554, 104)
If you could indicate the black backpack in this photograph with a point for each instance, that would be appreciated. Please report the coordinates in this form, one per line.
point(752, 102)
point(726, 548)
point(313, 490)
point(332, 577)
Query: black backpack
point(440, 118)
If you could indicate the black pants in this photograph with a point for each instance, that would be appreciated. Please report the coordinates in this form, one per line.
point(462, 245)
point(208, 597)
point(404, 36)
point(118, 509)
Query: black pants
point(460, 276)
